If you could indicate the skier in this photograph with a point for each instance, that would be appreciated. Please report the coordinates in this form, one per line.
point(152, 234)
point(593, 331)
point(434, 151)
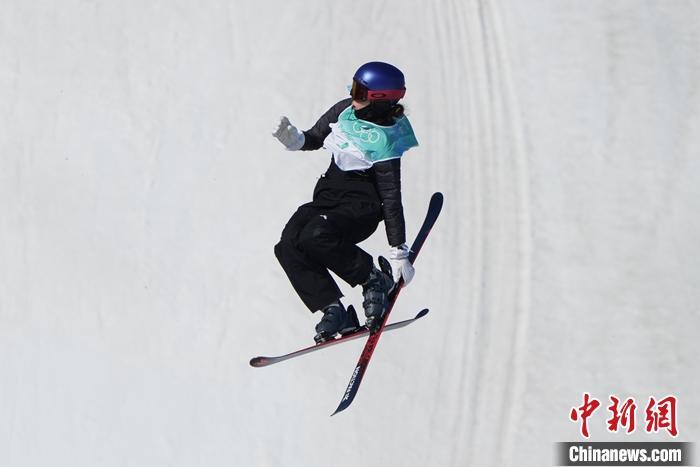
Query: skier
point(366, 135)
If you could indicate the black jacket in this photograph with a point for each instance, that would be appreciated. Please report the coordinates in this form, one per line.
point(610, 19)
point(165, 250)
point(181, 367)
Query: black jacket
point(386, 175)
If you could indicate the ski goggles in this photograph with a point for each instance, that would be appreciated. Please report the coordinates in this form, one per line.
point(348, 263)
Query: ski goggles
point(359, 92)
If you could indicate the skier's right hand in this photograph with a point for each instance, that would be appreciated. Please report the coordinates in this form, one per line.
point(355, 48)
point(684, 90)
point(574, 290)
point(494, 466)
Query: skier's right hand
point(401, 267)
point(289, 135)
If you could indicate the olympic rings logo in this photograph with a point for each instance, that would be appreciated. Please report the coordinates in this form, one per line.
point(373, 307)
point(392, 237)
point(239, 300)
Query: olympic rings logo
point(369, 135)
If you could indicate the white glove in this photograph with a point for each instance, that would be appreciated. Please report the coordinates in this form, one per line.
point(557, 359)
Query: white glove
point(288, 135)
point(400, 265)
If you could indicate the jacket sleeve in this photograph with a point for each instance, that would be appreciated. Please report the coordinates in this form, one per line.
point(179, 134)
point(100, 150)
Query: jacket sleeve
point(314, 136)
point(388, 180)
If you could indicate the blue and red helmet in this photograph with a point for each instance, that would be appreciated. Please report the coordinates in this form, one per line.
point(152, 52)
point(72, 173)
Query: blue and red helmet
point(378, 81)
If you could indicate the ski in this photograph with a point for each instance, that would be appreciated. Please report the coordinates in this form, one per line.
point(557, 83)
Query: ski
point(259, 362)
point(434, 209)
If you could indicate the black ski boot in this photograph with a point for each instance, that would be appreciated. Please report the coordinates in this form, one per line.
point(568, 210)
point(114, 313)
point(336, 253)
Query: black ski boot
point(336, 319)
point(376, 292)
point(351, 322)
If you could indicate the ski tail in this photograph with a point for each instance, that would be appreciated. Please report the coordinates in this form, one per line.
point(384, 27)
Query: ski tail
point(351, 390)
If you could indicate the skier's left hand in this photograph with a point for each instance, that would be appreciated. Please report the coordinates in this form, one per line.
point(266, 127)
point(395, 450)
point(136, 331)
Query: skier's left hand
point(289, 135)
point(400, 265)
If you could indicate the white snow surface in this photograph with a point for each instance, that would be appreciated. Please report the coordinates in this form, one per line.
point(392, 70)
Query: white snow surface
point(141, 194)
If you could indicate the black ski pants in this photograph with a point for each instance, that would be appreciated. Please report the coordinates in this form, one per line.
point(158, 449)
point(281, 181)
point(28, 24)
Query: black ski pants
point(323, 235)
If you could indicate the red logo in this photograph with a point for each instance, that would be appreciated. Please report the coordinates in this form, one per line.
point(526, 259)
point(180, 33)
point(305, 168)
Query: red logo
point(621, 416)
point(659, 415)
point(586, 410)
point(662, 415)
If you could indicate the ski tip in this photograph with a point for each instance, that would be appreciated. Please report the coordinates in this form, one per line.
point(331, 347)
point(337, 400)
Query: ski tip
point(422, 313)
point(257, 362)
point(436, 202)
point(343, 405)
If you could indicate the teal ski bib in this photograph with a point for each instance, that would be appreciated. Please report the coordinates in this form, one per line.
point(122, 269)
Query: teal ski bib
point(377, 143)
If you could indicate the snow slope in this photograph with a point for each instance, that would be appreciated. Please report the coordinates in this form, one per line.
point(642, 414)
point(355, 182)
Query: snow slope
point(141, 194)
